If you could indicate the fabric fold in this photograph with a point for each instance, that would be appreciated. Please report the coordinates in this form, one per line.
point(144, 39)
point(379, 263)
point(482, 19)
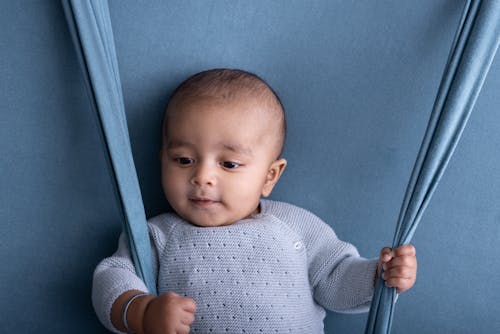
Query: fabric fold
point(90, 26)
point(471, 55)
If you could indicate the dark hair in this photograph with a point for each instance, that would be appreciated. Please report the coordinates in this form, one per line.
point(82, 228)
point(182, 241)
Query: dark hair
point(228, 84)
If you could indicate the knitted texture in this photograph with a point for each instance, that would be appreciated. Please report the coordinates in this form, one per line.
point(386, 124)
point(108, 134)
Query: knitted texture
point(272, 273)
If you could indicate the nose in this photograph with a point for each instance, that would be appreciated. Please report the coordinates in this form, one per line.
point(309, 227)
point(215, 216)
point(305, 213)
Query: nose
point(204, 175)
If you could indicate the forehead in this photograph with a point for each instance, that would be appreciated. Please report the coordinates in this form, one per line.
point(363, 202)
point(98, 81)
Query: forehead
point(233, 146)
point(238, 124)
point(243, 112)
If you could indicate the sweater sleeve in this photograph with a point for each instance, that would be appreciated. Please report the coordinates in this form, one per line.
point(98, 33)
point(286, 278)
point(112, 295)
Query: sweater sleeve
point(341, 280)
point(116, 274)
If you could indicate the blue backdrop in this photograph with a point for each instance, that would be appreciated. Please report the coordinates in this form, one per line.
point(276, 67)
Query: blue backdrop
point(358, 80)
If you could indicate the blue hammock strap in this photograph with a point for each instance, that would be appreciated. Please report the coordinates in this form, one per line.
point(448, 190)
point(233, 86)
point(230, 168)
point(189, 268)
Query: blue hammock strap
point(90, 26)
point(471, 55)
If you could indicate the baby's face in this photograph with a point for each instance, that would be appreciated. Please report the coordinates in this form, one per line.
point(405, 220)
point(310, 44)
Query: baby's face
point(218, 158)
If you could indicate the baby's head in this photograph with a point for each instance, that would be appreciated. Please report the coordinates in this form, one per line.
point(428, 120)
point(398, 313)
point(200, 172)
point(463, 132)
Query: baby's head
point(223, 134)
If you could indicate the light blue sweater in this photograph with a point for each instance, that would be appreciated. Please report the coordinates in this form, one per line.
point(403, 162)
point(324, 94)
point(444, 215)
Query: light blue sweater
point(273, 273)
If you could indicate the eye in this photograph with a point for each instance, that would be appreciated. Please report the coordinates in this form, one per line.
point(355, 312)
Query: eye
point(184, 161)
point(230, 164)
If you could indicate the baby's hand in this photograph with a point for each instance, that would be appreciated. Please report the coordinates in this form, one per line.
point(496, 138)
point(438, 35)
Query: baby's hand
point(169, 313)
point(400, 267)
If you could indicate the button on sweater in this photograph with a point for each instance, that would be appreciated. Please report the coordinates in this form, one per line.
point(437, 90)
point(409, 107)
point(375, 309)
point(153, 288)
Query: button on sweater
point(273, 273)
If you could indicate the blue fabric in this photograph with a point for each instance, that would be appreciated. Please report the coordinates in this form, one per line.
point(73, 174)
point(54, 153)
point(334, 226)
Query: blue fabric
point(90, 26)
point(471, 55)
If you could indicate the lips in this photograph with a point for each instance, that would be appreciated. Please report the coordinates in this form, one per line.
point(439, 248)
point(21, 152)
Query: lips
point(203, 202)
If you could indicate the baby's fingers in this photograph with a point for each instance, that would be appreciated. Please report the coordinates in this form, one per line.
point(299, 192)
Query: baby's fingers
point(386, 254)
point(182, 329)
point(402, 261)
point(405, 250)
point(188, 305)
point(187, 318)
point(400, 277)
point(398, 272)
point(401, 284)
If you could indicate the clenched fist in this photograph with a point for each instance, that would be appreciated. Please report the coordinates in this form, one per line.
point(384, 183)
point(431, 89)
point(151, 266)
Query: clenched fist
point(399, 267)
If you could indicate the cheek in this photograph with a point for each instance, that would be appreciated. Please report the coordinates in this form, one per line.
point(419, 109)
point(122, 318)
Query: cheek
point(249, 185)
point(172, 181)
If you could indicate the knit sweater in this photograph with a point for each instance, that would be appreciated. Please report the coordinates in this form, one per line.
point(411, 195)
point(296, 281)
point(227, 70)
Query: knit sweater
point(272, 273)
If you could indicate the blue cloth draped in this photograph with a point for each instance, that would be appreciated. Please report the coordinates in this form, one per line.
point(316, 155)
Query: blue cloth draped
point(471, 55)
point(90, 27)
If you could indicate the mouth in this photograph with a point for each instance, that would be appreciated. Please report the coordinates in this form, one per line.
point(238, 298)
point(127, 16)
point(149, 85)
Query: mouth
point(202, 202)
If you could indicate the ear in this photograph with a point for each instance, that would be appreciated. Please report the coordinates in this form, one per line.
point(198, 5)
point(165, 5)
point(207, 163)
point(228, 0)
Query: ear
point(273, 175)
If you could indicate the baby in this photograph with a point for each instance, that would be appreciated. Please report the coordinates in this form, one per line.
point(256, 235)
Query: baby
point(228, 261)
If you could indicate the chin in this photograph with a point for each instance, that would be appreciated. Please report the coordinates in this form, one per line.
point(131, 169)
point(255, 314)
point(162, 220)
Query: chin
point(206, 221)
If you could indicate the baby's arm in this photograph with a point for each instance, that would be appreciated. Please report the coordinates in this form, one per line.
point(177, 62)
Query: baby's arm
point(399, 267)
point(115, 282)
point(341, 280)
point(148, 314)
